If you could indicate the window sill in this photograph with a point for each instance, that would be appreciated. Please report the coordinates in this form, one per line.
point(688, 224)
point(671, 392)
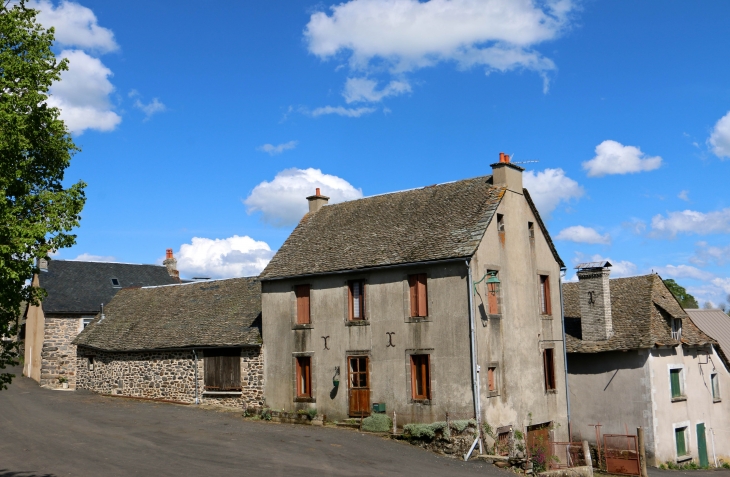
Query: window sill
point(304, 399)
point(495, 316)
point(551, 391)
point(357, 323)
point(418, 319)
point(222, 393)
point(302, 326)
point(717, 400)
point(684, 458)
point(493, 394)
point(679, 398)
point(546, 317)
point(424, 402)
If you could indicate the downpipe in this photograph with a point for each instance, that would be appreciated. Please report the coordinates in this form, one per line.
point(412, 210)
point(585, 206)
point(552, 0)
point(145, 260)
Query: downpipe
point(474, 367)
point(197, 401)
point(565, 353)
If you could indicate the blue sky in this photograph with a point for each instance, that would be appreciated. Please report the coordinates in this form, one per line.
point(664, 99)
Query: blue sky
point(204, 127)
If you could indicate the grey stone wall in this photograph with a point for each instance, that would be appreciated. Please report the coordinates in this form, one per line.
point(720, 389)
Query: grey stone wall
point(58, 355)
point(165, 375)
point(595, 304)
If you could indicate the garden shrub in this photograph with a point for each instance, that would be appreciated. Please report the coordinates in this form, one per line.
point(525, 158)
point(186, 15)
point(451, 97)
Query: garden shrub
point(377, 423)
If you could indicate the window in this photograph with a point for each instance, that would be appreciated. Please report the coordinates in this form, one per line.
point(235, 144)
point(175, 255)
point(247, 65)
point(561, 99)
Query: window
point(91, 363)
point(222, 369)
point(675, 380)
point(419, 295)
point(115, 283)
point(548, 361)
point(676, 329)
point(85, 321)
point(545, 295)
point(680, 437)
point(492, 378)
point(357, 299)
point(304, 377)
point(420, 377)
point(715, 379)
point(302, 294)
point(493, 292)
point(503, 445)
point(531, 230)
point(500, 223)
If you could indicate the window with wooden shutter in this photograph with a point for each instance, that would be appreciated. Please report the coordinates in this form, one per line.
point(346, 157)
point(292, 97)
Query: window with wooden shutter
point(494, 291)
point(420, 377)
point(548, 358)
point(544, 292)
point(714, 378)
point(304, 377)
point(222, 369)
point(302, 292)
point(675, 378)
point(680, 437)
point(356, 296)
point(492, 378)
point(419, 295)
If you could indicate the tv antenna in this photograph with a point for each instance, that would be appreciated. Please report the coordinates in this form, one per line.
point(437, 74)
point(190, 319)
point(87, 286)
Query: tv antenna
point(512, 156)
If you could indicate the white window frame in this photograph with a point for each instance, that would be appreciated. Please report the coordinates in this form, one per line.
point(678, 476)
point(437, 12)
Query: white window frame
point(682, 384)
point(82, 320)
point(677, 329)
point(716, 377)
point(687, 440)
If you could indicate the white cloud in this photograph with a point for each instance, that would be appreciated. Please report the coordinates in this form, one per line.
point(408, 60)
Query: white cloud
point(405, 35)
point(223, 258)
point(580, 234)
point(684, 195)
point(691, 222)
point(282, 201)
point(684, 271)
point(342, 111)
point(364, 90)
point(150, 108)
point(720, 137)
point(614, 158)
point(710, 254)
point(278, 149)
point(87, 257)
point(76, 26)
point(82, 95)
point(549, 187)
point(723, 284)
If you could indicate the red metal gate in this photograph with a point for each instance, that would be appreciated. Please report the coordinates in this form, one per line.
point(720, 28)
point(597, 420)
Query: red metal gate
point(622, 454)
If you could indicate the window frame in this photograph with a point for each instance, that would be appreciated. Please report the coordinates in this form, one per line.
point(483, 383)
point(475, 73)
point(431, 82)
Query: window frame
point(715, 384)
point(679, 371)
point(303, 377)
point(303, 297)
point(677, 329)
point(351, 301)
point(548, 367)
point(531, 231)
point(544, 301)
point(418, 367)
point(684, 429)
point(418, 295)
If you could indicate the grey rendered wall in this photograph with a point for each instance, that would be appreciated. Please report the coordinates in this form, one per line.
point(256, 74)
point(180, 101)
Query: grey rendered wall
point(515, 341)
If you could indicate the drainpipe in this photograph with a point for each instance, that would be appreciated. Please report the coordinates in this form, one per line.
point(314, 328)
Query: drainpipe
point(474, 367)
point(565, 352)
point(197, 401)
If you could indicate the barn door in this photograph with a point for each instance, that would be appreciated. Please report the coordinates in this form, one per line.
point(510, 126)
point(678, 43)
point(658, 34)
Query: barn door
point(358, 385)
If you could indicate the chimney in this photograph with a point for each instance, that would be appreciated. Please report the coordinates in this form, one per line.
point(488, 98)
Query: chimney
point(171, 264)
point(316, 201)
point(43, 264)
point(595, 301)
point(504, 173)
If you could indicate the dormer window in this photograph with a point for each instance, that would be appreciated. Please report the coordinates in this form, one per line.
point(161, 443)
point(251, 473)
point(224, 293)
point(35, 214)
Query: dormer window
point(115, 283)
point(676, 329)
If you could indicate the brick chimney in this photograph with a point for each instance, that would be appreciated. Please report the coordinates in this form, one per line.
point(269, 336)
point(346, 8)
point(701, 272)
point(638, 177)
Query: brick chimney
point(504, 173)
point(316, 201)
point(595, 301)
point(171, 263)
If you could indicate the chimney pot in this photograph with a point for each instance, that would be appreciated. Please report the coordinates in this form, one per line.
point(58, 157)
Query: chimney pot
point(169, 253)
point(506, 174)
point(318, 192)
point(171, 263)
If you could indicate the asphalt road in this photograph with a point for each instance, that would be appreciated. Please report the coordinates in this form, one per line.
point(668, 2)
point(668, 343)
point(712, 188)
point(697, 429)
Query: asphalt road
point(59, 433)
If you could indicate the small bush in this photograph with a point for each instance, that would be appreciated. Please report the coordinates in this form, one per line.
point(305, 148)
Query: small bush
point(725, 465)
point(441, 426)
point(662, 466)
point(377, 423)
point(419, 431)
point(459, 426)
point(266, 414)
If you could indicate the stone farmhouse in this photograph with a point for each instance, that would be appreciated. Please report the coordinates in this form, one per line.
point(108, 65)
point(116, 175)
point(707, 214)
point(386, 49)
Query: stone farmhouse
point(636, 359)
point(196, 342)
point(440, 299)
point(76, 292)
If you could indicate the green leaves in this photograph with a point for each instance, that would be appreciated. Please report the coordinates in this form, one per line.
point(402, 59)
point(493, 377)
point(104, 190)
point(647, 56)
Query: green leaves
point(684, 298)
point(37, 213)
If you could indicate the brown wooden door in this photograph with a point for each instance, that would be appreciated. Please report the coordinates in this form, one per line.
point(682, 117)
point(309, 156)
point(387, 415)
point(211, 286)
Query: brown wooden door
point(358, 383)
point(538, 442)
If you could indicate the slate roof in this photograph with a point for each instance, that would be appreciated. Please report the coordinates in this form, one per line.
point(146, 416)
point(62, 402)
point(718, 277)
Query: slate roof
point(81, 287)
point(438, 222)
point(641, 308)
point(715, 323)
point(220, 313)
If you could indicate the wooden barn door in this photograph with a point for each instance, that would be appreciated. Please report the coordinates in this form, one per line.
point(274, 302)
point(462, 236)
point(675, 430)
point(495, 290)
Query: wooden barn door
point(358, 380)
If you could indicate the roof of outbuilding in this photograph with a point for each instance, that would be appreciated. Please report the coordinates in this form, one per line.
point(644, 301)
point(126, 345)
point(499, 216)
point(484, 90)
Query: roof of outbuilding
point(641, 308)
point(715, 323)
point(431, 223)
point(220, 313)
point(81, 287)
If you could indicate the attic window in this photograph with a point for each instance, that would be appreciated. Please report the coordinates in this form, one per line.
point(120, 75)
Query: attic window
point(115, 283)
point(531, 230)
point(500, 223)
point(676, 329)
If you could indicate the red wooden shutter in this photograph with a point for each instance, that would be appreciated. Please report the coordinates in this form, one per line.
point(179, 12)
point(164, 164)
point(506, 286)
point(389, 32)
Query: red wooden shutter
point(303, 313)
point(413, 287)
point(422, 295)
point(492, 301)
point(490, 378)
point(349, 301)
point(362, 300)
point(548, 310)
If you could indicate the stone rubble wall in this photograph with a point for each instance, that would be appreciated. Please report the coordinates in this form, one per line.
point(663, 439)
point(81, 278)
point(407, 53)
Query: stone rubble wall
point(58, 355)
point(166, 375)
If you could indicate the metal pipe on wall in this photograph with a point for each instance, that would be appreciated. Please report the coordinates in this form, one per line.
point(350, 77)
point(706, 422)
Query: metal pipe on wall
point(197, 401)
point(565, 353)
point(474, 365)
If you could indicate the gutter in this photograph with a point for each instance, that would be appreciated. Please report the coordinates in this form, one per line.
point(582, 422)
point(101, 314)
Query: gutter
point(565, 351)
point(197, 401)
point(186, 348)
point(474, 366)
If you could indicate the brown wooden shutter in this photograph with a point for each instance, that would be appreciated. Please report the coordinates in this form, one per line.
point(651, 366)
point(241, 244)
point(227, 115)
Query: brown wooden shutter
point(492, 301)
point(549, 366)
point(303, 307)
point(362, 300)
point(222, 369)
point(422, 295)
point(350, 303)
point(490, 378)
point(548, 310)
point(413, 286)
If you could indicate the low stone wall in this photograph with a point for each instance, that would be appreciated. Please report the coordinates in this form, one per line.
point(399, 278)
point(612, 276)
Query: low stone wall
point(165, 375)
point(58, 355)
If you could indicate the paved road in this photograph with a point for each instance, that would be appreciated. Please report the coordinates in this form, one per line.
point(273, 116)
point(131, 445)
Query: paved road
point(46, 433)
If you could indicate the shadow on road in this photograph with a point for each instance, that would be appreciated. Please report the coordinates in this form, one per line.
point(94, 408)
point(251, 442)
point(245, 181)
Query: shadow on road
point(10, 473)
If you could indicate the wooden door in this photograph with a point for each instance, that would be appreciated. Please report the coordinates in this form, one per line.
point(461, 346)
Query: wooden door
point(702, 445)
point(358, 382)
point(538, 442)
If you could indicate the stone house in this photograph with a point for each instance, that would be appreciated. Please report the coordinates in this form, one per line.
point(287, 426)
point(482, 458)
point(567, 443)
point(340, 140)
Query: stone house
point(195, 342)
point(441, 299)
point(75, 293)
point(636, 359)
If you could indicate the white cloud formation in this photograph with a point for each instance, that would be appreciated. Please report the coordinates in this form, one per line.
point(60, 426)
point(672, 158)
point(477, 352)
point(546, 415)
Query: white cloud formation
point(87, 257)
point(684, 271)
point(719, 139)
point(684, 195)
point(278, 149)
point(691, 222)
point(580, 234)
point(282, 201)
point(341, 111)
point(150, 108)
point(549, 187)
point(82, 95)
point(706, 253)
point(364, 90)
point(614, 158)
point(76, 26)
point(223, 258)
point(405, 35)
point(723, 284)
